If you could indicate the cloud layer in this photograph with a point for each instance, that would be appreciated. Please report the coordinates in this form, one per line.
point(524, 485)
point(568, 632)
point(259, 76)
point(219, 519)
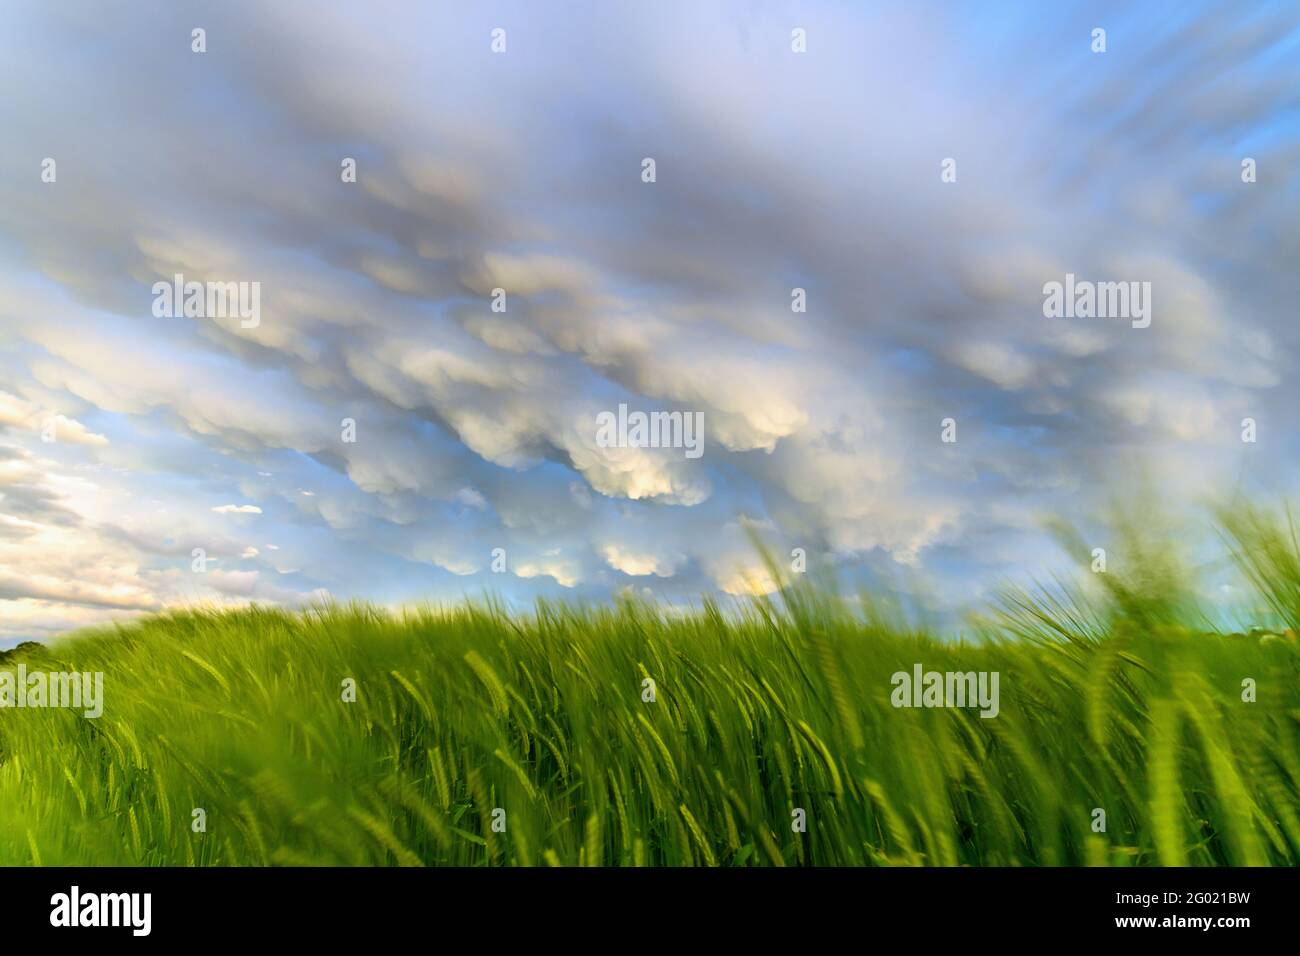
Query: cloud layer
point(522, 171)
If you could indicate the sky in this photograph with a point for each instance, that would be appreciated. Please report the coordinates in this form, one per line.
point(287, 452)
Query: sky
point(523, 170)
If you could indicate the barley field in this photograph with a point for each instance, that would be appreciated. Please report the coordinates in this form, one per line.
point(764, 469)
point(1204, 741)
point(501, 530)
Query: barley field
point(631, 735)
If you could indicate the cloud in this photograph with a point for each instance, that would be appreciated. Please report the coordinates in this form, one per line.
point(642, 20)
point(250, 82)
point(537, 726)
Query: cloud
point(16, 413)
point(630, 562)
point(474, 429)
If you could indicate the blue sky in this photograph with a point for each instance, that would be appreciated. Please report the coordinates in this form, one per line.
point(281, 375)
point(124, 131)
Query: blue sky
point(522, 170)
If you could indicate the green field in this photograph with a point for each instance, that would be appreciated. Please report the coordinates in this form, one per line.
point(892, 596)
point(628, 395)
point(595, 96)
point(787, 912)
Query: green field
point(1125, 701)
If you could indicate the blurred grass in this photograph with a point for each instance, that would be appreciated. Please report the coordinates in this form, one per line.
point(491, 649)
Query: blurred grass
point(1123, 701)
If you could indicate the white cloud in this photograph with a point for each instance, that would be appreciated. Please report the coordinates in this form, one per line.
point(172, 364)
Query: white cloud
point(477, 428)
point(639, 563)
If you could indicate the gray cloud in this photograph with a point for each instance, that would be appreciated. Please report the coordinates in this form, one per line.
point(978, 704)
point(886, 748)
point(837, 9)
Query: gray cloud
point(522, 172)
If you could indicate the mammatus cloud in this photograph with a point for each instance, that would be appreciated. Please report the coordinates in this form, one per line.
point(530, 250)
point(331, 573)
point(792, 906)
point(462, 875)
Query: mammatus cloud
point(840, 251)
